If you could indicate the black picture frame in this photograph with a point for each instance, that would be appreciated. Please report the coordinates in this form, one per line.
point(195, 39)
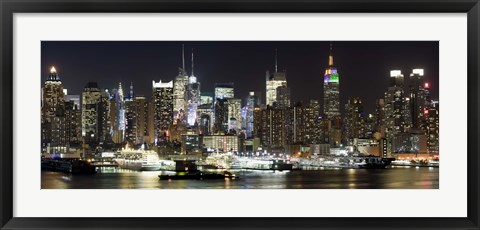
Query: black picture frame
point(9, 7)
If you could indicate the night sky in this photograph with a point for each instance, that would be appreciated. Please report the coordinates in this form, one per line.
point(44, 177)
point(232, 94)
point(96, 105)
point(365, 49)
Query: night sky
point(364, 67)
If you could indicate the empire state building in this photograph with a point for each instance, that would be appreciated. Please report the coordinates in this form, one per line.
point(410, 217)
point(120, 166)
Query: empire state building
point(331, 89)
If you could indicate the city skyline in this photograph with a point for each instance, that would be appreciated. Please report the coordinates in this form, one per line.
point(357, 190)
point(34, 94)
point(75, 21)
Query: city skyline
point(243, 63)
point(194, 122)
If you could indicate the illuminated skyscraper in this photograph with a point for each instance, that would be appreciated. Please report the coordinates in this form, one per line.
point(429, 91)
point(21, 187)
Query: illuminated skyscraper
point(120, 119)
point(54, 138)
point(104, 117)
point(221, 116)
point(331, 89)
point(91, 97)
point(130, 120)
point(274, 81)
point(249, 116)
point(162, 98)
point(432, 121)
point(234, 114)
point(141, 119)
point(180, 92)
point(417, 98)
point(224, 90)
point(206, 98)
point(283, 96)
point(395, 104)
point(354, 124)
point(193, 98)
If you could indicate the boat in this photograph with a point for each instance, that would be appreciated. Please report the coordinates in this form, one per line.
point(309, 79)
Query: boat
point(73, 166)
point(347, 162)
point(198, 176)
point(265, 164)
point(371, 162)
point(220, 161)
point(139, 160)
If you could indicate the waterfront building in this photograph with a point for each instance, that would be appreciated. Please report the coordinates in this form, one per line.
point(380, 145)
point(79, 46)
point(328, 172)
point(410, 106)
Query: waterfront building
point(190, 144)
point(91, 97)
point(221, 143)
point(162, 97)
point(409, 142)
point(331, 89)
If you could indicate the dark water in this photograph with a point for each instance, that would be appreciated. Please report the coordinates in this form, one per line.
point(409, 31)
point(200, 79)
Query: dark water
point(390, 178)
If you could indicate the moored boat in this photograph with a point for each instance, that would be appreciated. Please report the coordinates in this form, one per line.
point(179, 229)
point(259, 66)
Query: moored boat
point(139, 160)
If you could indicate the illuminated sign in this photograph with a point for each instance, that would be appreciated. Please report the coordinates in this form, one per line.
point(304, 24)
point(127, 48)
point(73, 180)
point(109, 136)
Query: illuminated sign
point(334, 78)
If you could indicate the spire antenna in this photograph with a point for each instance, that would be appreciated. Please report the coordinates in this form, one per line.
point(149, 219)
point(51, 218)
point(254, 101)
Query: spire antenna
point(276, 61)
point(183, 57)
point(192, 62)
point(330, 57)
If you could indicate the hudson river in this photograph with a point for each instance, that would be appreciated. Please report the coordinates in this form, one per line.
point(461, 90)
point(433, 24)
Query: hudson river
point(389, 178)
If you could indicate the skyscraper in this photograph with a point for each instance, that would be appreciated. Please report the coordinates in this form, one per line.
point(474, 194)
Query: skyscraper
point(130, 121)
point(417, 97)
point(331, 89)
point(119, 132)
point(91, 97)
point(141, 119)
point(103, 121)
point(162, 97)
point(221, 116)
point(432, 124)
point(283, 96)
point(274, 81)
point(53, 115)
point(395, 104)
point(224, 90)
point(354, 120)
point(193, 98)
point(180, 92)
point(249, 116)
point(234, 114)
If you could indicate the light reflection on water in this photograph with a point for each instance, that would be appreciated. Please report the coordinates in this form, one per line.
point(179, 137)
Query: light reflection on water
point(391, 178)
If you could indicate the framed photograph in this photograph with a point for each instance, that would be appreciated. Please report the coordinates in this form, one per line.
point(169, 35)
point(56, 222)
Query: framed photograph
point(239, 115)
